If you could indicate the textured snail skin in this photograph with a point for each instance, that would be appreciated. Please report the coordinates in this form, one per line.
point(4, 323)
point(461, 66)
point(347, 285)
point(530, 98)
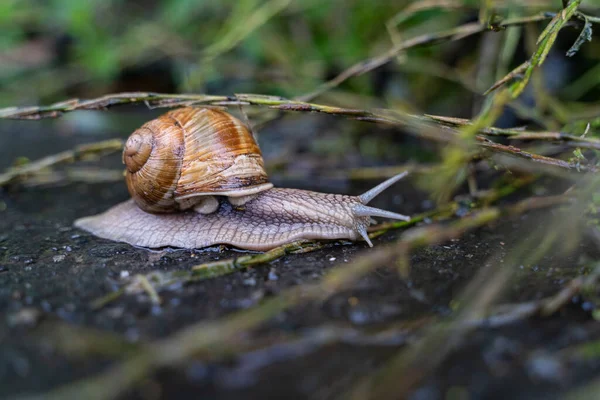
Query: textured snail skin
point(273, 218)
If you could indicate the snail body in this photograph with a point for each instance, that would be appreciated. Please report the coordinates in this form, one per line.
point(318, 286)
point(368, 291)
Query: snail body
point(238, 206)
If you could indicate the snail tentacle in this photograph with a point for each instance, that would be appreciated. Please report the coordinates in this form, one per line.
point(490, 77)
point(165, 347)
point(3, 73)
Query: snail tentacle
point(360, 210)
point(369, 195)
point(362, 230)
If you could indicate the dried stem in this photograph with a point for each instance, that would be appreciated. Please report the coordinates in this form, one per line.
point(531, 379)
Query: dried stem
point(85, 151)
point(522, 134)
point(421, 124)
point(536, 158)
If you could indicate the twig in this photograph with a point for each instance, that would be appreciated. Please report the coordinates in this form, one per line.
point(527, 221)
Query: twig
point(423, 128)
point(158, 100)
point(74, 174)
point(549, 161)
point(453, 169)
point(101, 103)
point(168, 100)
point(224, 267)
point(421, 125)
point(144, 284)
point(516, 73)
point(544, 43)
point(522, 134)
point(552, 304)
point(79, 153)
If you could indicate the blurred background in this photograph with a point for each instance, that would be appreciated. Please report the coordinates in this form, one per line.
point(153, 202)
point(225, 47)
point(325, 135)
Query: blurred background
point(59, 49)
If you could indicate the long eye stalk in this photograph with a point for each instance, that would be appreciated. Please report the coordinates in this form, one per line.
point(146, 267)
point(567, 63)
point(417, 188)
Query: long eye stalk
point(369, 195)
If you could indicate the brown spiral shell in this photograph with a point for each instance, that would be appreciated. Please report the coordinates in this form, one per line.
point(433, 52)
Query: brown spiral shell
point(192, 152)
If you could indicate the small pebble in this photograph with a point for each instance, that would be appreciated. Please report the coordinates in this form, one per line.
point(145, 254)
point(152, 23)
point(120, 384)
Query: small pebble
point(46, 306)
point(156, 310)
point(26, 316)
point(132, 334)
point(58, 258)
point(197, 371)
point(116, 312)
point(250, 282)
point(587, 306)
point(273, 275)
point(545, 367)
point(332, 259)
point(426, 204)
point(21, 366)
point(124, 274)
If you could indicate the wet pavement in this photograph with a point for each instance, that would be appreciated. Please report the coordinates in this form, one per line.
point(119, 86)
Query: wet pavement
point(50, 273)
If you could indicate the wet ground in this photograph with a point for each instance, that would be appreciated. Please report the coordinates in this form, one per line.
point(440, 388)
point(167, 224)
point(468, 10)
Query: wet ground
point(50, 273)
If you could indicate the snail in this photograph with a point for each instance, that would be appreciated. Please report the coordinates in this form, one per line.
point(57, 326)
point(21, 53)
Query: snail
point(197, 179)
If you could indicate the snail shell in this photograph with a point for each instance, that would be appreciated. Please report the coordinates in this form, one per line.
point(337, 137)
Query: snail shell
point(184, 157)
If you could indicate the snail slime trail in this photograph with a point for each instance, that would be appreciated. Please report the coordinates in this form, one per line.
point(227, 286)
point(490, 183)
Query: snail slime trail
point(196, 178)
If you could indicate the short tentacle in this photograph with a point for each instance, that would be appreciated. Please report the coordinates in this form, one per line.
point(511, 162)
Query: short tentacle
point(362, 230)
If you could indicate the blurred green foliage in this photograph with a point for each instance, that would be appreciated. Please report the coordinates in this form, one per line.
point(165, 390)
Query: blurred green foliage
point(289, 46)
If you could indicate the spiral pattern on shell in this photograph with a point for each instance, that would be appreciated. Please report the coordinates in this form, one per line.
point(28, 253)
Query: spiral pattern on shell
point(192, 152)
